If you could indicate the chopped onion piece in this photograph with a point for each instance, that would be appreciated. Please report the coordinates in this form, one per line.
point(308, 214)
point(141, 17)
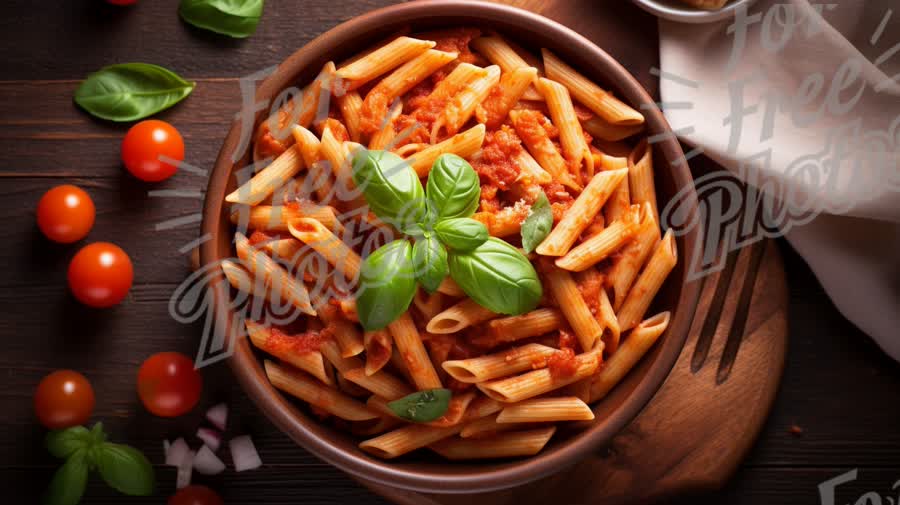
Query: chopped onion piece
point(177, 450)
point(218, 416)
point(184, 471)
point(207, 463)
point(243, 454)
point(166, 446)
point(210, 437)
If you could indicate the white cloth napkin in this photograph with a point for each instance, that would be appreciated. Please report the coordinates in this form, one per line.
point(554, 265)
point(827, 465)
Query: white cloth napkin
point(853, 47)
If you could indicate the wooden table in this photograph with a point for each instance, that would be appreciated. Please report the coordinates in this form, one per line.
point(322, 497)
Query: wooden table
point(838, 387)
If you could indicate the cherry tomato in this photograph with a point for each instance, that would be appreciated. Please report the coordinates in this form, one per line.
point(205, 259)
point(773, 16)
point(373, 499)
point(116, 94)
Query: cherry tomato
point(100, 274)
point(121, 2)
point(145, 142)
point(63, 399)
point(65, 214)
point(168, 384)
point(195, 495)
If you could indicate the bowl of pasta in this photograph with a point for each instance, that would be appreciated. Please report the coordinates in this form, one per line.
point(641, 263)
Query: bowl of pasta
point(437, 251)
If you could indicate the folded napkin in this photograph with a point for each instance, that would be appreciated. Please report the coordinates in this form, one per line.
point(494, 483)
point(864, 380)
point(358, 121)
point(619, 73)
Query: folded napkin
point(824, 136)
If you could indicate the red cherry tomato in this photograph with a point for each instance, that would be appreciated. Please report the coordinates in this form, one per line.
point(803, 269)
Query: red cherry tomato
point(65, 214)
point(100, 274)
point(143, 145)
point(121, 2)
point(63, 399)
point(168, 384)
point(195, 495)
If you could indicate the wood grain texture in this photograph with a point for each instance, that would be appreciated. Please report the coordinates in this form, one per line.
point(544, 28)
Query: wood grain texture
point(837, 386)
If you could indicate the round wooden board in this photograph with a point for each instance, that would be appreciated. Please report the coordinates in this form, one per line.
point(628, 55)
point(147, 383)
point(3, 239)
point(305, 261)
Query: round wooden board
point(694, 433)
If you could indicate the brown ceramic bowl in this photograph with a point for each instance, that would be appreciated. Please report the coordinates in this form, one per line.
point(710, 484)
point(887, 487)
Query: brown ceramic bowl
point(427, 472)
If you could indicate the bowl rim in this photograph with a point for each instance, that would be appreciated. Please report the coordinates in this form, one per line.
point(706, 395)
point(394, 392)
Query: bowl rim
point(246, 366)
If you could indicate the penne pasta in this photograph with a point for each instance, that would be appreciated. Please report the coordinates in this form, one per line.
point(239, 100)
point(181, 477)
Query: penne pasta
point(240, 279)
point(428, 305)
point(460, 108)
point(537, 382)
point(602, 129)
point(314, 234)
point(463, 144)
point(640, 177)
point(458, 317)
point(381, 60)
point(378, 346)
point(264, 182)
point(543, 410)
point(528, 125)
point(572, 305)
point(505, 445)
point(639, 341)
point(288, 349)
point(531, 324)
point(501, 364)
point(450, 288)
point(345, 332)
point(592, 96)
point(276, 217)
point(494, 109)
point(648, 283)
point(530, 168)
point(488, 427)
point(295, 383)
point(599, 246)
point(389, 386)
point(274, 276)
point(571, 137)
point(582, 212)
point(609, 321)
point(420, 367)
point(500, 53)
point(350, 105)
point(629, 260)
point(407, 439)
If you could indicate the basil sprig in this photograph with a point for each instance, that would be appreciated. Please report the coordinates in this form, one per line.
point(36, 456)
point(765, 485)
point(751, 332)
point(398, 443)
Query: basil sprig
point(121, 467)
point(422, 406)
point(235, 18)
point(537, 225)
point(492, 272)
point(131, 91)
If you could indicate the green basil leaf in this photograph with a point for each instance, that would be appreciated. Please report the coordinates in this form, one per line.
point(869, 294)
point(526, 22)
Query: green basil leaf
point(131, 91)
point(497, 276)
point(422, 406)
point(387, 285)
point(453, 187)
point(537, 225)
point(461, 233)
point(125, 469)
point(64, 443)
point(69, 482)
point(235, 18)
point(430, 260)
point(98, 436)
point(391, 188)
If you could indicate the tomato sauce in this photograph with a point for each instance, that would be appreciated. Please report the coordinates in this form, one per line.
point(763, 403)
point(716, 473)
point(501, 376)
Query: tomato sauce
point(562, 364)
point(337, 129)
point(496, 165)
point(279, 342)
point(590, 282)
point(258, 237)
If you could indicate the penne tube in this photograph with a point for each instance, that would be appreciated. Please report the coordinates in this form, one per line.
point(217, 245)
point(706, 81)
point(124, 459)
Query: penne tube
point(332, 150)
point(319, 176)
point(537, 382)
point(574, 308)
point(264, 182)
point(391, 387)
point(462, 315)
point(374, 427)
point(360, 377)
point(350, 105)
point(640, 176)
point(487, 427)
point(274, 276)
point(609, 321)
point(350, 388)
point(384, 137)
point(493, 110)
point(379, 347)
point(619, 201)
point(500, 53)
point(543, 410)
point(428, 305)
point(463, 144)
point(407, 439)
point(449, 287)
point(602, 129)
point(627, 262)
point(381, 60)
point(297, 384)
point(461, 106)
point(571, 137)
point(408, 342)
point(583, 210)
point(648, 283)
point(314, 234)
point(633, 348)
point(276, 217)
point(592, 96)
point(242, 280)
point(287, 349)
point(530, 168)
point(345, 332)
point(500, 364)
point(456, 81)
point(531, 324)
point(599, 246)
point(528, 126)
point(398, 82)
point(504, 445)
point(308, 144)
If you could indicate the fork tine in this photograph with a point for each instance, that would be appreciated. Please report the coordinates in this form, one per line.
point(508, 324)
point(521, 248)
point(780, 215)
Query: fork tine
point(714, 314)
point(739, 324)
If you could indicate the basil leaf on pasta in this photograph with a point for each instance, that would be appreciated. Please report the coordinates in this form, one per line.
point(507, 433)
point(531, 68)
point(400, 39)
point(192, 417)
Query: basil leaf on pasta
point(498, 277)
point(453, 187)
point(461, 233)
point(537, 225)
point(387, 285)
point(422, 406)
point(430, 260)
point(391, 188)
